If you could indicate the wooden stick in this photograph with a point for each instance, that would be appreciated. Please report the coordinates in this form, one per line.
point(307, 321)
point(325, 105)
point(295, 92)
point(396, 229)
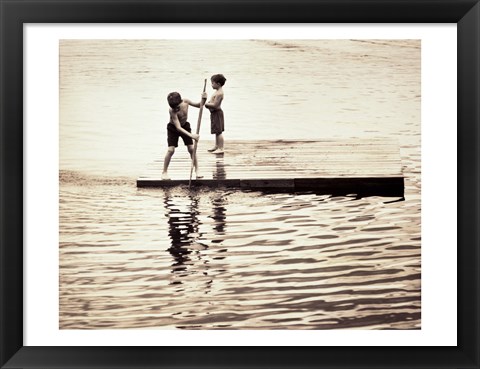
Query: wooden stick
point(199, 122)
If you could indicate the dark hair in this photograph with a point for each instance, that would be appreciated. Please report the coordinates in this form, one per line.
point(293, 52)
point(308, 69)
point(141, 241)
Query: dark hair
point(219, 78)
point(174, 99)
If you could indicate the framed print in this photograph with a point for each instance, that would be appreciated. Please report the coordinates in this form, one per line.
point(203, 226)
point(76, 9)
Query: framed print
point(330, 218)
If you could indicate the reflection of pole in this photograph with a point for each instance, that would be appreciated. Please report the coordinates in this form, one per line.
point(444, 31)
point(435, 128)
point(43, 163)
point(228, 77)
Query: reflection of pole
point(199, 122)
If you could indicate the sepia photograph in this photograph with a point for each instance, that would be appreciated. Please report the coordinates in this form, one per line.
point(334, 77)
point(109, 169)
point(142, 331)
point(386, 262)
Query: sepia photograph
point(244, 184)
point(251, 184)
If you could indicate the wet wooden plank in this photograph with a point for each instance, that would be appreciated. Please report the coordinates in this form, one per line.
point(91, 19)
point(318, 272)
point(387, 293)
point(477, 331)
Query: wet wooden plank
point(350, 165)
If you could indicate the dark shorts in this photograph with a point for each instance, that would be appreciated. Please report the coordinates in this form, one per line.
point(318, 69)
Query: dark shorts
point(173, 135)
point(217, 122)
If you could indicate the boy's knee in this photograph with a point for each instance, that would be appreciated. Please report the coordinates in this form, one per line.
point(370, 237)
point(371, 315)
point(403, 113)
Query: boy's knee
point(171, 150)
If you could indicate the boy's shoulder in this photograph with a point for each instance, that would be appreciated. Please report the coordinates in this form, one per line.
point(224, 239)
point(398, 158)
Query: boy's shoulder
point(171, 110)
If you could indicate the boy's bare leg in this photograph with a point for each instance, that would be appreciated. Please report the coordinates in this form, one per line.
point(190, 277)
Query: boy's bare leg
point(195, 161)
point(166, 161)
point(218, 148)
point(219, 143)
point(213, 148)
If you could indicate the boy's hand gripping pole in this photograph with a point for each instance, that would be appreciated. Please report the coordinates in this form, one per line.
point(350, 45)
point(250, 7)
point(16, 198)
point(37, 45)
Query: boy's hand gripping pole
point(199, 122)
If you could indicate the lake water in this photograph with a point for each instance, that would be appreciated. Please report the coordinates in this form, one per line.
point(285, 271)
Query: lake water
point(228, 259)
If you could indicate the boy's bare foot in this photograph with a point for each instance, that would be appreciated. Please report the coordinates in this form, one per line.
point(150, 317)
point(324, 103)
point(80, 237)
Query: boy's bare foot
point(165, 176)
point(219, 151)
point(213, 149)
point(199, 176)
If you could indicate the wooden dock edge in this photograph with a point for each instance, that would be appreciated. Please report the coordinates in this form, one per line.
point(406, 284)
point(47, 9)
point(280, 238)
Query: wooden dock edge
point(381, 186)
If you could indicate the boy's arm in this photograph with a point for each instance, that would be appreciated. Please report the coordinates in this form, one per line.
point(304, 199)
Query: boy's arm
point(179, 128)
point(196, 105)
point(215, 104)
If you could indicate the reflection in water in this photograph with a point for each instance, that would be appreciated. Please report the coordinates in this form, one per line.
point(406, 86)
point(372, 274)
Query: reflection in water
point(220, 172)
point(219, 210)
point(183, 227)
point(235, 260)
point(190, 254)
point(232, 260)
point(218, 203)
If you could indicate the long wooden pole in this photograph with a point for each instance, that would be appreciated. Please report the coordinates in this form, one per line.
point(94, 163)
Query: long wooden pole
point(199, 122)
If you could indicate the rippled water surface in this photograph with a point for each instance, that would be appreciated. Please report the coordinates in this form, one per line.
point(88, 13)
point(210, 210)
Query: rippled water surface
point(228, 259)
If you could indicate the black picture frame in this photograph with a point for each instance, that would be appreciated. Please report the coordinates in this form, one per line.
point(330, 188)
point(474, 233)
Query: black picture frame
point(15, 13)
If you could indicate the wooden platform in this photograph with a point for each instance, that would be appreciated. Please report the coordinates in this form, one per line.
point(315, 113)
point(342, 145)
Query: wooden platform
point(352, 166)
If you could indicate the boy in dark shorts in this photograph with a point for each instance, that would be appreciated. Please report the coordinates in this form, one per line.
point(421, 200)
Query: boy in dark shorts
point(216, 113)
point(179, 127)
